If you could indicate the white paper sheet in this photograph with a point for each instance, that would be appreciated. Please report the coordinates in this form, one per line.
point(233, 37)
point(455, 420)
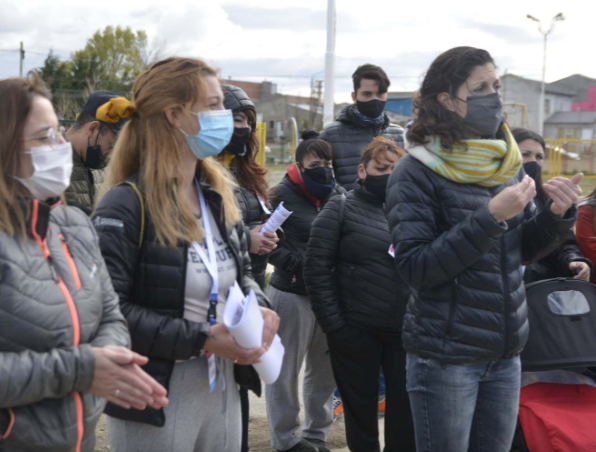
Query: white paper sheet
point(274, 222)
point(243, 318)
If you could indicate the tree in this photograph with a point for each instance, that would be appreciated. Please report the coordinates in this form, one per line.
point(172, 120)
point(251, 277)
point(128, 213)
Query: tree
point(110, 60)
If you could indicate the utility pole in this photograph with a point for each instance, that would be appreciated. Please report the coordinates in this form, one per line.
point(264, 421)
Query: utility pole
point(558, 17)
point(329, 65)
point(21, 58)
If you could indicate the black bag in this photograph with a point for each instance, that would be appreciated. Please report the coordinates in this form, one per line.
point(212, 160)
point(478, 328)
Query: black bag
point(562, 316)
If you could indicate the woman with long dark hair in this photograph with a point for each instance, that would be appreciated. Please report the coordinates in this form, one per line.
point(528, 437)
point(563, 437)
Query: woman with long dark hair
point(462, 219)
point(566, 259)
point(304, 190)
point(240, 156)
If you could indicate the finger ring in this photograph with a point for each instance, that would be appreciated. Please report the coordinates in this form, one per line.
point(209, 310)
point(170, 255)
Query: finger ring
point(117, 393)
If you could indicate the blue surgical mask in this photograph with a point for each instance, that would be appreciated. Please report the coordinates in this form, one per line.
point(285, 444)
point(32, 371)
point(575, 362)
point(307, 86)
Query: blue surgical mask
point(216, 131)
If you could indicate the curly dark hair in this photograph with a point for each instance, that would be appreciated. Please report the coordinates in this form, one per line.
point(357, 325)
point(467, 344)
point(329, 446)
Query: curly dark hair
point(446, 74)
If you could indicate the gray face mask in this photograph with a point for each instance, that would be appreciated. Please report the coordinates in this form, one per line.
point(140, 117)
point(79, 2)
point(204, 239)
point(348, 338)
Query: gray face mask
point(485, 114)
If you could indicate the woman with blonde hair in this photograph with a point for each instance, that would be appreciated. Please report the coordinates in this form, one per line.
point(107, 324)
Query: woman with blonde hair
point(62, 336)
point(171, 233)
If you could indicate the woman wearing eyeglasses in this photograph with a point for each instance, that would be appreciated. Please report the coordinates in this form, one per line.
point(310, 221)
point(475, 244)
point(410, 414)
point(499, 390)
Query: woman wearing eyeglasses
point(62, 336)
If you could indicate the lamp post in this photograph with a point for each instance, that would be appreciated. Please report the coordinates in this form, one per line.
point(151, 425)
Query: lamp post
point(557, 18)
point(329, 65)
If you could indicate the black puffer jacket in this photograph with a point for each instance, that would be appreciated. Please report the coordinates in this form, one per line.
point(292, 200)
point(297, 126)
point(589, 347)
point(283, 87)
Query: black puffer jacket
point(556, 263)
point(350, 276)
point(468, 300)
point(253, 215)
point(349, 136)
point(151, 280)
point(288, 257)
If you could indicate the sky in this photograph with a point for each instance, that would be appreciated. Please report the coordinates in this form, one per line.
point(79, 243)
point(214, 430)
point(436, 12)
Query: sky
point(285, 41)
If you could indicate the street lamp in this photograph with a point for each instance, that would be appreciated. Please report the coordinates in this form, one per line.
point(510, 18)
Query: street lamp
point(557, 18)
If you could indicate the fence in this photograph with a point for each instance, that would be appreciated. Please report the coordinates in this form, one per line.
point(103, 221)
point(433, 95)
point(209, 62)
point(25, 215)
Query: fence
point(570, 156)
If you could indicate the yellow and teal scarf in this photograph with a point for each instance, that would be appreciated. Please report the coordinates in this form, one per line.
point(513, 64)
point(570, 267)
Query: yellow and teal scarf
point(485, 162)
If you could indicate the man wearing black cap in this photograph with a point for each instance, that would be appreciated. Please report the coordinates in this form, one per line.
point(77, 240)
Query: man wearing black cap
point(92, 141)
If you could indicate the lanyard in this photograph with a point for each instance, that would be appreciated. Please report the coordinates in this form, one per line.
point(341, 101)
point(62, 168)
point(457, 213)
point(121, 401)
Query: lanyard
point(211, 261)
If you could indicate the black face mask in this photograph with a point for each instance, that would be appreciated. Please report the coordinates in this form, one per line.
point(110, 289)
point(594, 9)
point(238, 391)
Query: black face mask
point(372, 108)
point(484, 114)
point(533, 170)
point(95, 158)
point(240, 139)
point(318, 181)
point(377, 185)
point(320, 175)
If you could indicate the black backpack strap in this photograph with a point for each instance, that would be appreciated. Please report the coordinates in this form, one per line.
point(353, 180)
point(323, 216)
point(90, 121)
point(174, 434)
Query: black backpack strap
point(142, 231)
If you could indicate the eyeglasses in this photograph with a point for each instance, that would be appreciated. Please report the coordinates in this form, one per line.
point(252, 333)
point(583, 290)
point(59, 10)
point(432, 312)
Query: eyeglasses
point(53, 137)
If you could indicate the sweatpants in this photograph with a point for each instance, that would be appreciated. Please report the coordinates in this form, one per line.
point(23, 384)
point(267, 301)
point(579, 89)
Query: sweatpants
point(357, 355)
point(304, 343)
point(196, 420)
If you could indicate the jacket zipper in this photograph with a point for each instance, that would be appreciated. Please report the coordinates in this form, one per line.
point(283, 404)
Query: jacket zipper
point(71, 262)
point(505, 295)
point(352, 268)
point(449, 328)
point(43, 245)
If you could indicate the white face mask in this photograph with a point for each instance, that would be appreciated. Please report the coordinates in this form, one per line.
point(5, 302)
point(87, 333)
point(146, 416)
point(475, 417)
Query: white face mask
point(52, 167)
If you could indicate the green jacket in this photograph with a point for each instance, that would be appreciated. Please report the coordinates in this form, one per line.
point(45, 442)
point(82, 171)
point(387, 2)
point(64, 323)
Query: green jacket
point(84, 184)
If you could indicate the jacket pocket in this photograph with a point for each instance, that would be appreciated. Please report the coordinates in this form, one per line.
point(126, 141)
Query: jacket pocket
point(452, 306)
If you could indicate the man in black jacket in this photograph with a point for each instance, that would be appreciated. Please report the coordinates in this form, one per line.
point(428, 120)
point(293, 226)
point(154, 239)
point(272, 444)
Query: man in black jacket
point(358, 124)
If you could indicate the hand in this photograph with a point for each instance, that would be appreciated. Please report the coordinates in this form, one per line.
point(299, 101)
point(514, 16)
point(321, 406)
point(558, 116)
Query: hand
point(583, 270)
point(260, 244)
point(117, 368)
point(563, 192)
point(270, 328)
point(512, 200)
point(221, 343)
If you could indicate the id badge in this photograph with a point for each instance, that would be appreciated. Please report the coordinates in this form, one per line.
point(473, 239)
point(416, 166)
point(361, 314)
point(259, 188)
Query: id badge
point(391, 251)
point(263, 205)
point(212, 370)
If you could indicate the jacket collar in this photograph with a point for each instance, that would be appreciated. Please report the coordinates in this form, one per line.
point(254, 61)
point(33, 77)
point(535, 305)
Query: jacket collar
point(38, 219)
point(349, 118)
point(365, 195)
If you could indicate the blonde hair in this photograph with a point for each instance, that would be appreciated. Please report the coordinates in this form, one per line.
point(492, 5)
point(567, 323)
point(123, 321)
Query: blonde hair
point(152, 147)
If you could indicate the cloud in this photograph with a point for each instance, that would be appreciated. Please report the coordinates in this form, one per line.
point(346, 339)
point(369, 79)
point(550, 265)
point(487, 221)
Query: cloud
point(273, 19)
point(507, 33)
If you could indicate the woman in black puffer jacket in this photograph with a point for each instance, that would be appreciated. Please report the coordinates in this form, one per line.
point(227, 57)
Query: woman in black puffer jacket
point(304, 190)
point(359, 302)
point(462, 220)
point(240, 156)
point(172, 237)
point(566, 259)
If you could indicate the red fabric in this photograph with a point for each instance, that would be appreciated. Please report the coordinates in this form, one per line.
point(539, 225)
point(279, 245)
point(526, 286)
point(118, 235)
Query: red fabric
point(585, 235)
point(558, 417)
point(295, 177)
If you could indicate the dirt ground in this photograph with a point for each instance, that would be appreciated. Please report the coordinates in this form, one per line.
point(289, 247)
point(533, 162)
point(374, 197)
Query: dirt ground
point(258, 431)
